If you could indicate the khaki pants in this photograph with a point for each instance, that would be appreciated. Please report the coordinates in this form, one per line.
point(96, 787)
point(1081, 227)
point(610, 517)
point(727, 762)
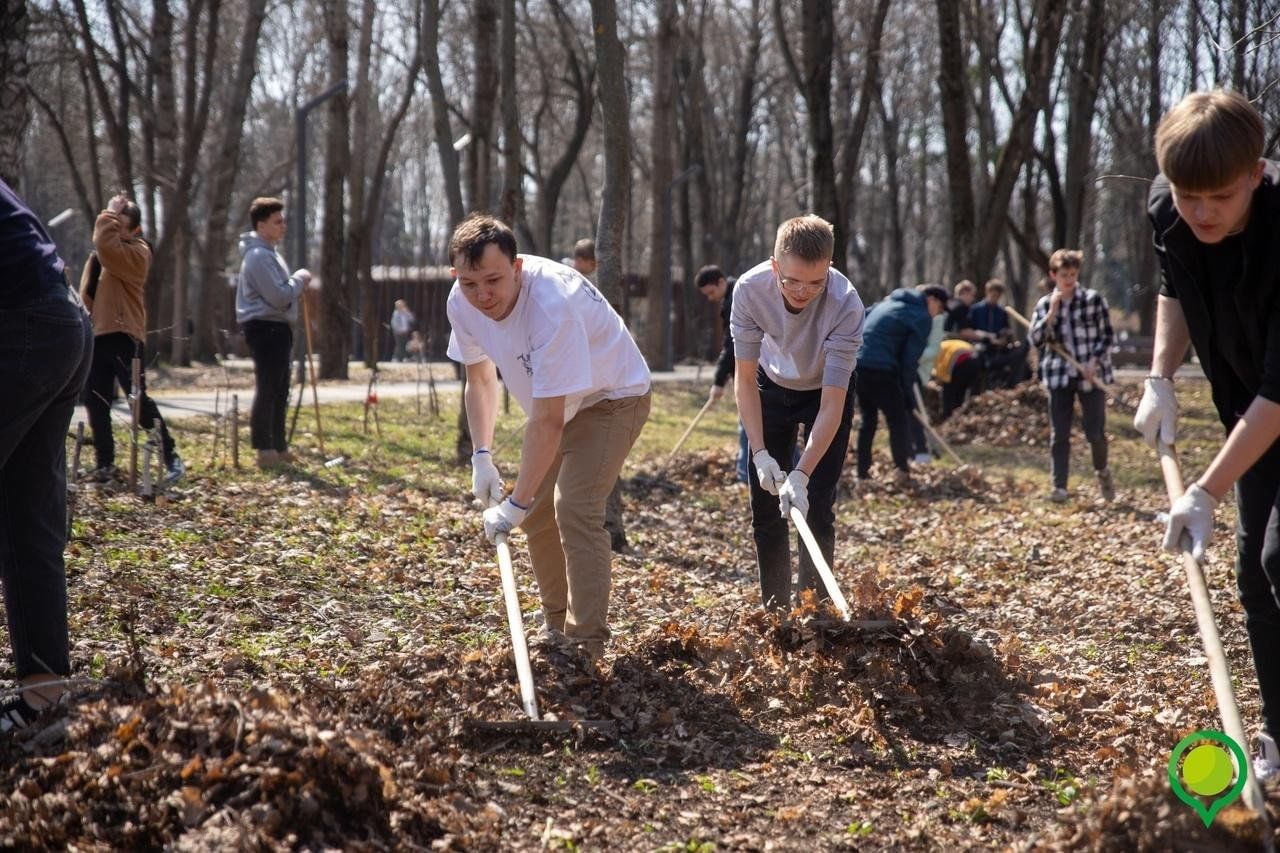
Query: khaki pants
point(568, 545)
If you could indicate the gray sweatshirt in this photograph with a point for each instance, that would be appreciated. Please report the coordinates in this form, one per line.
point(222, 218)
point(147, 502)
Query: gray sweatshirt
point(265, 290)
point(805, 351)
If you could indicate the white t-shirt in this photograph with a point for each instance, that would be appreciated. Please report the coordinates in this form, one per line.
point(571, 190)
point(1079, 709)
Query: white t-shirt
point(561, 339)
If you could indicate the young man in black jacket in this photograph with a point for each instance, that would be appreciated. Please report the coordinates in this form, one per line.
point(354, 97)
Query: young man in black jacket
point(713, 284)
point(1215, 209)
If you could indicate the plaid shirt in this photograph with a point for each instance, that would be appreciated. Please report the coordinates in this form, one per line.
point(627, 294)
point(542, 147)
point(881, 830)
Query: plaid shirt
point(1091, 338)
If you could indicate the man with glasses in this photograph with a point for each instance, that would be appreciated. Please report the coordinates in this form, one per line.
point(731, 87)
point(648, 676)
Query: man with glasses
point(797, 326)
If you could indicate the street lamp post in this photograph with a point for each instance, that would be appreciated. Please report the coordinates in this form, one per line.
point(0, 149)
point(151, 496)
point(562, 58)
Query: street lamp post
point(668, 344)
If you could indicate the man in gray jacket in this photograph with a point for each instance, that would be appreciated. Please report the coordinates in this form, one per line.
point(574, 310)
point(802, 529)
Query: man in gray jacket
point(266, 307)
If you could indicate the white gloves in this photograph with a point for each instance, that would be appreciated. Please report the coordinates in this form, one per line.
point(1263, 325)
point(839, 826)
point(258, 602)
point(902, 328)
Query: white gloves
point(303, 275)
point(717, 391)
point(1157, 415)
point(1191, 514)
point(767, 469)
point(486, 482)
point(794, 493)
point(502, 518)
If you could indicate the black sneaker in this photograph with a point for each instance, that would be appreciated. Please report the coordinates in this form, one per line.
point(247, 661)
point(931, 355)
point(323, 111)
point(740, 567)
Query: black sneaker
point(1106, 486)
point(104, 474)
point(16, 714)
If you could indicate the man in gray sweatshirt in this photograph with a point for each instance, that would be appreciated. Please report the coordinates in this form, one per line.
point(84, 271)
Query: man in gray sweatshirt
point(797, 326)
point(266, 307)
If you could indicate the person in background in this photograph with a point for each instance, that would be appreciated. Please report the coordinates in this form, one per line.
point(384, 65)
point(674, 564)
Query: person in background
point(113, 288)
point(584, 257)
point(718, 290)
point(1077, 320)
point(402, 321)
point(896, 333)
point(46, 345)
point(266, 308)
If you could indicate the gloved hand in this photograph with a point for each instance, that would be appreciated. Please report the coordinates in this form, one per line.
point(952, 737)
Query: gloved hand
point(303, 275)
point(486, 481)
point(1157, 415)
point(503, 518)
point(1192, 515)
point(794, 493)
point(767, 469)
point(716, 392)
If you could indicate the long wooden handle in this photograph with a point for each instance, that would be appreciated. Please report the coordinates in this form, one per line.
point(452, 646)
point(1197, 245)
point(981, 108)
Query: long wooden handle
point(1219, 671)
point(311, 368)
point(515, 622)
point(922, 415)
point(693, 423)
point(824, 571)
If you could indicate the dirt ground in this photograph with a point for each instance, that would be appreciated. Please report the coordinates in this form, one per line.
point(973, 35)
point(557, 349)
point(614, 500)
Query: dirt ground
point(290, 659)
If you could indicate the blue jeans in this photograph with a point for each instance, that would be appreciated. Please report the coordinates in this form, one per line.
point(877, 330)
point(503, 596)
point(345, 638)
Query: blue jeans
point(784, 412)
point(46, 343)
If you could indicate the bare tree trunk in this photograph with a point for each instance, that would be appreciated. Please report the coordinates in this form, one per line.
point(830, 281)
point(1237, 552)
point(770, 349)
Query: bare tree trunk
point(224, 166)
point(661, 145)
point(851, 152)
point(615, 200)
point(1148, 269)
point(335, 314)
point(743, 108)
point(449, 170)
point(14, 108)
point(511, 199)
point(484, 98)
point(359, 218)
point(893, 191)
point(1085, 82)
point(954, 101)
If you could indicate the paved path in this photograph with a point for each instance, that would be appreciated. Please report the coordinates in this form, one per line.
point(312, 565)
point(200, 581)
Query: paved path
point(176, 405)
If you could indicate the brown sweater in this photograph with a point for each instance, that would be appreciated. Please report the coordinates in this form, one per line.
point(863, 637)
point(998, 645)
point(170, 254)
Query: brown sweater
point(118, 304)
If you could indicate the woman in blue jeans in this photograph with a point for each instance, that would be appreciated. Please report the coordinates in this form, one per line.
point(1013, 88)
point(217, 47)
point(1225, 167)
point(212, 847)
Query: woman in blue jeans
point(46, 341)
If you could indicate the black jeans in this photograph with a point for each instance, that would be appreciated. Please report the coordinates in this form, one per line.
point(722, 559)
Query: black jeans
point(113, 362)
point(1093, 406)
point(881, 391)
point(916, 441)
point(1258, 575)
point(270, 344)
point(784, 413)
point(46, 344)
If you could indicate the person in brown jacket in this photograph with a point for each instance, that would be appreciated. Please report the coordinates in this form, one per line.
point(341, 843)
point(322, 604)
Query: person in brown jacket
point(113, 287)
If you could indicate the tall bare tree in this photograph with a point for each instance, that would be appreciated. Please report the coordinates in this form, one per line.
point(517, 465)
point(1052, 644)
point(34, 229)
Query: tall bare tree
point(14, 108)
point(662, 149)
point(335, 297)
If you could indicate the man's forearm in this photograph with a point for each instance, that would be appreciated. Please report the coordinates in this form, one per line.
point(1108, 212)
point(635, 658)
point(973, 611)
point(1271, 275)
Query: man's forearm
point(1252, 436)
point(824, 428)
point(1172, 337)
point(747, 395)
point(481, 399)
point(541, 443)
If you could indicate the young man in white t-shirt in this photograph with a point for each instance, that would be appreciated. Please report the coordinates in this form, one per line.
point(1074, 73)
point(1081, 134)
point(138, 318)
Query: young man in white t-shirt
point(797, 326)
point(570, 362)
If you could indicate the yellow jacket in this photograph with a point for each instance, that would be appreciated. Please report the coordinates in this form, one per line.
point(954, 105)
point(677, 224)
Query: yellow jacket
point(949, 354)
point(118, 304)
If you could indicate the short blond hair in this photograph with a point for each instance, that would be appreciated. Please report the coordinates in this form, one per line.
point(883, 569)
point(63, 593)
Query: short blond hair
point(965, 286)
point(1073, 258)
point(809, 238)
point(1209, 140)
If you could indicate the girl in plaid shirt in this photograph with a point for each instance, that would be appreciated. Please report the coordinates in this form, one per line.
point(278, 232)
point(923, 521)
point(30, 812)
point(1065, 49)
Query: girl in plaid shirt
point(1077, 320)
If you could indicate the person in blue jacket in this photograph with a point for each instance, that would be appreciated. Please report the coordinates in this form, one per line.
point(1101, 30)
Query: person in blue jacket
point(896, 332)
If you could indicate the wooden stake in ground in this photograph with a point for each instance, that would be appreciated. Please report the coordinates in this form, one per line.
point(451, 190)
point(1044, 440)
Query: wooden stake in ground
point(922, 415)
point(135, 404)
point(1219, 671)
point(820, 562)
point(311, 368)
point(235, 431)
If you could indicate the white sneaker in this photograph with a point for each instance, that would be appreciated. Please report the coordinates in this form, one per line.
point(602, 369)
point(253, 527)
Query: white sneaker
point(921, 459)
point(1059, 496)
point(1266, 758)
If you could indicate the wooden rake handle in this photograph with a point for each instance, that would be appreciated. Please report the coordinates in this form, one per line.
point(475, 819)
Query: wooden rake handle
point(1219, 671)
point(688, 430)
point(824, 571)
point(515, 622)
